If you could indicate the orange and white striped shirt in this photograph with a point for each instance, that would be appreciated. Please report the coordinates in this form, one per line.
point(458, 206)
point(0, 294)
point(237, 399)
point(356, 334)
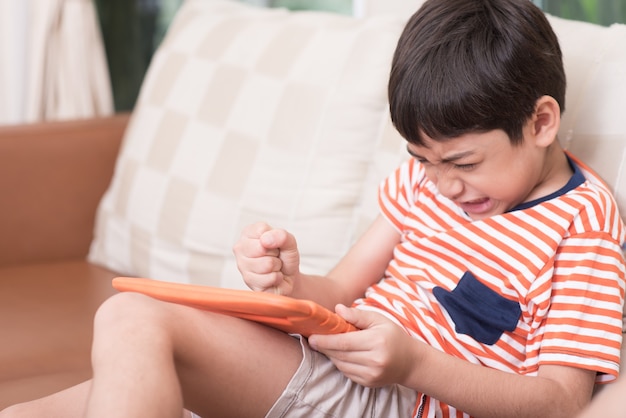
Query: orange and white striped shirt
point(540, 284)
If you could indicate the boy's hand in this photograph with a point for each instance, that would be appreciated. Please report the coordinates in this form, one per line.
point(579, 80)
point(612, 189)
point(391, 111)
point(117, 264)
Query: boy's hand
point(380, 354)
point(267, 258)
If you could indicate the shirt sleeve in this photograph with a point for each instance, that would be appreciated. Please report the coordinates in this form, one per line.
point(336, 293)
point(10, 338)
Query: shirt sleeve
point(397, 193)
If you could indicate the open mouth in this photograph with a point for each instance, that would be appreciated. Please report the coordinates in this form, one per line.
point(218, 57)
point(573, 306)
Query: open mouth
point(477, 206)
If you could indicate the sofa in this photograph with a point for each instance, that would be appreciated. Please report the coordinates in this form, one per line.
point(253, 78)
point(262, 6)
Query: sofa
point(245, 114)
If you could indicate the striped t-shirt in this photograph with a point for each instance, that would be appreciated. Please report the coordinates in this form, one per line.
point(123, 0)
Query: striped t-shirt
point(540, 284)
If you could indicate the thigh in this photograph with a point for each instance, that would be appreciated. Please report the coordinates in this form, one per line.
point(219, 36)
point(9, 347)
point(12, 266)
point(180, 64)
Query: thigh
point(227, 366)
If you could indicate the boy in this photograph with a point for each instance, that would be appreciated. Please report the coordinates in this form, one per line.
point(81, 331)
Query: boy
point(491, 283)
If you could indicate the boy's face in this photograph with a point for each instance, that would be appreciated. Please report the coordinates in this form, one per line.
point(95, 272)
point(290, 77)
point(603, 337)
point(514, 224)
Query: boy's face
point(483, 172)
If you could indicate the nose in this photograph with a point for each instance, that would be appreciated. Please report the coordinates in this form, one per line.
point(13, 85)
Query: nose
point(447, 182)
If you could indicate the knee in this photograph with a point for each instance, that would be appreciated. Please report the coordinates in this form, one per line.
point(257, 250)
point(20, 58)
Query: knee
point(119, 309)
point(131, 323)
point(126, 315)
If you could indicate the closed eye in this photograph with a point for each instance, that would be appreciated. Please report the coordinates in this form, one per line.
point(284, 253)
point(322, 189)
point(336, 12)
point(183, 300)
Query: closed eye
point(465, 167)
point(450, 161)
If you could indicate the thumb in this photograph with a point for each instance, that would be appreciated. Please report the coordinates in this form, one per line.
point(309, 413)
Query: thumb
point(255, 230)
point(286, 243)
point(357, 317)
point(277, 238)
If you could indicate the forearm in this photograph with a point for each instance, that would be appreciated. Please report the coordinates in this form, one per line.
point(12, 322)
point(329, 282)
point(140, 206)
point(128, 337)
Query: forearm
point(269, 261)
point(361, 267)
point(609, 403)
point(484, 392)
point(325, 291)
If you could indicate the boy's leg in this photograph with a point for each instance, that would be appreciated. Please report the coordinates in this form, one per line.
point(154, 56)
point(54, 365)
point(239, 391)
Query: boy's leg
point(67, 403)
point(148, 356)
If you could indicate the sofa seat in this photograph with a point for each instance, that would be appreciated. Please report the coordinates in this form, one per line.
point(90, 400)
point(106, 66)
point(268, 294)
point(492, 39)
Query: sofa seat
point(52, 176)
point(55, 352)
point(44, 359)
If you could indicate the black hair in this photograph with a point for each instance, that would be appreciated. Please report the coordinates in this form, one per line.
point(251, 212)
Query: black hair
point(473, 65)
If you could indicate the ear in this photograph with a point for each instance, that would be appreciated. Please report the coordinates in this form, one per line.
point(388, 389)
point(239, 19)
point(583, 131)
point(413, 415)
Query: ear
point(545, 122)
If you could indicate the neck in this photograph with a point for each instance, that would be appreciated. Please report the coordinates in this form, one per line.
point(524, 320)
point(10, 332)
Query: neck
point(556, 172)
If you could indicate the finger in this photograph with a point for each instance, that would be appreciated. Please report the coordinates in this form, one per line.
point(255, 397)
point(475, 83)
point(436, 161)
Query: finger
point(260, 265)
point(363, 340)
point(252, 248)
point(278, 238)
point(252, 256)
point(357, 317)
point(335, 344)
point(249, 245)
point(354, 364)
point(267, 282)
point(255, 230)
point(352, 370)
point(275, 283)
point(359, 365)
point(287, 246)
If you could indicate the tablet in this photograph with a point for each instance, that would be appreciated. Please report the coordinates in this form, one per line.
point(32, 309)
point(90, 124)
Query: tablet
point(296, 316)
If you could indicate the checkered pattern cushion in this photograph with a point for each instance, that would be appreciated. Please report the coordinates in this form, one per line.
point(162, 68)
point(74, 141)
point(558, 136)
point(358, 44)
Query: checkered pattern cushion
point(251, 114)
point(593, 125)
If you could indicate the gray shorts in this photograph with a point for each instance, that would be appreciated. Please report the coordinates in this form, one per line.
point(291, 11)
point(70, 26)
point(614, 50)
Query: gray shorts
point(320, 390)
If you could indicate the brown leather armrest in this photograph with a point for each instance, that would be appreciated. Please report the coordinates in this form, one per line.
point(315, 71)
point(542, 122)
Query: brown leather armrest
point(52, 176)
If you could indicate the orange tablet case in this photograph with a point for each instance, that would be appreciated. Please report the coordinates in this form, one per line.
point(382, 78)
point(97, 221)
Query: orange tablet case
point(284, 313)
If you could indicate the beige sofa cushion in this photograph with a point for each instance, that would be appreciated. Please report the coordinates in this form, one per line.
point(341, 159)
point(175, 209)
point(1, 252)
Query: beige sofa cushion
point(250, 114)
point(594, 123)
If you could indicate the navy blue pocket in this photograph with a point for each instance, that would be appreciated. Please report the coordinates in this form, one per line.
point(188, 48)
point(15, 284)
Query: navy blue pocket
point(478, 311)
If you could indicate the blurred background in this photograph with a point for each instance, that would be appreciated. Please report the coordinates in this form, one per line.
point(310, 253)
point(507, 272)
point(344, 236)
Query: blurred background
point(133, 28)
point(66, 59)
